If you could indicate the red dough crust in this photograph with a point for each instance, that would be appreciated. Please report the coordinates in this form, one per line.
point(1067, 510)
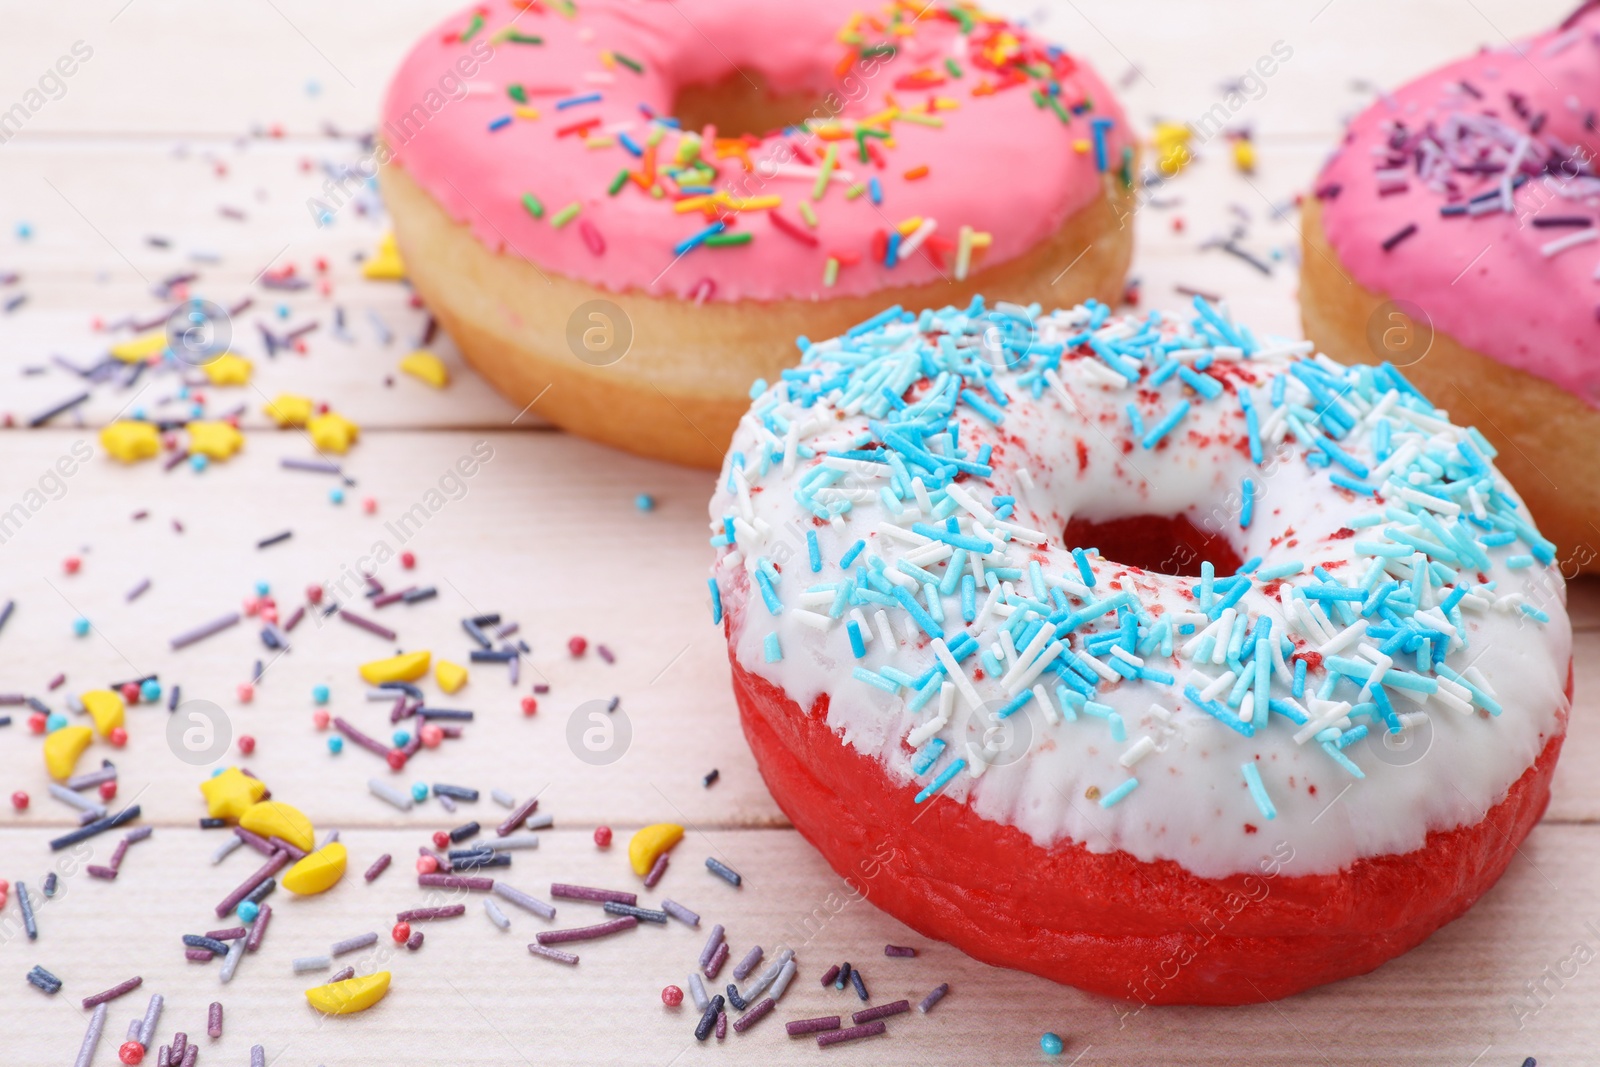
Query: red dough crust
point(1109, 923)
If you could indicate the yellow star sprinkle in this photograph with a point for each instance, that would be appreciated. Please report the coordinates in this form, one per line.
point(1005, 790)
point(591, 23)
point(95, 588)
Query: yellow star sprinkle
point(333, 433)
point(131, 441)
point(287, 409)
point(229, 369)
point(214, 440)
point(231, 793)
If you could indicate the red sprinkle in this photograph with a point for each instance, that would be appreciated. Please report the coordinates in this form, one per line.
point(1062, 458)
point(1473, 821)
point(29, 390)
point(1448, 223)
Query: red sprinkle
point(602, 836)
point(576, 646)
point(672, 996)
point(19, 800)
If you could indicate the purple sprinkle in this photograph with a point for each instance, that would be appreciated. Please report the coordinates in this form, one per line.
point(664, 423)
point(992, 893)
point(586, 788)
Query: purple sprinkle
point(1395, 238)
point(742, 969)
point(801, 1027)
point(342, 975)
point(414, 942)
point(232, 933)
point(755, 1015)
point(553, 954)
point(712, 943)
point(933, 997)
point(830, 974)
point(718, 958)
point(449, 911)
point(455, 881)
point(598, 896)
point(607, 655)
point(258, 929)
point(722, 1025)
point(379, 865)
point(657, 869)
point(881, 1011)
point(852, 1033)
point(902, 951)
point(587, 933)
point(113, 993)
point(198, 955)
point(681, 913)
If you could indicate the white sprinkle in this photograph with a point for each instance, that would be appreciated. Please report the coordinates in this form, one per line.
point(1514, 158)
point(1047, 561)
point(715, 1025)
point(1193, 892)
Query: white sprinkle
point(957, 675)
point(389, 794)
point(1137, 751)
point(302, 964)
point(1572, 240)
point(496, 916)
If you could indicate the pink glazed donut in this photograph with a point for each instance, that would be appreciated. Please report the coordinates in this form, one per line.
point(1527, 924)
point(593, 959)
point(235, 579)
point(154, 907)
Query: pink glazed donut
point(629, 209)
point(1454, 233)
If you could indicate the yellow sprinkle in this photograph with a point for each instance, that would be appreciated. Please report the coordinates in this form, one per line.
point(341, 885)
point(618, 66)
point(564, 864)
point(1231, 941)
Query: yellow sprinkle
point(406, 667)
point(427, 367)
point(384, 265)
point(450, 676)
point(599, 142)
point(131, 441)
point(350, 995)
point(981, 239)
point(141, 348)
point(229, 369)
point(105, 707)
point(231, 793)
point(63, 747)
point(214, 440)
point(332, 433)
point(274, 818)
point(1244, 155)
point(1080, 146)
point(647, 845)
point(317, 872)
point(525, 113)
point(288, 409)
point(909, 226)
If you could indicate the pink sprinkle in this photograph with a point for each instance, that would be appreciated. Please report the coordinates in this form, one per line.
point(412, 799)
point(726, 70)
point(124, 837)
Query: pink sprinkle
point(591, 237)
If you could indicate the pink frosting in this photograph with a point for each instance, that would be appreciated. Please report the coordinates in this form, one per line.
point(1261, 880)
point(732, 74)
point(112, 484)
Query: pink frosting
point(1484, 279)
point(1001, 164)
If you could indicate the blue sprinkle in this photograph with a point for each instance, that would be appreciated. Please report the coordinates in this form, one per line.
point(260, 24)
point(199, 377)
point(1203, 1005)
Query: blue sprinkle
point(574, 101)
point(857, 646)
point(1112, 798)
point(1258, 791)
point(875, 190)
point(1100, 126)
point(943, 780)
point(716, 602)
point(500, 123)
point(851, 553)
point(1247, 508)
point(928, 756)
point(1084, 570)
point(644, 502)
point(814, 551)
point(770, 648)
point(1166, 426)
point(873, 678)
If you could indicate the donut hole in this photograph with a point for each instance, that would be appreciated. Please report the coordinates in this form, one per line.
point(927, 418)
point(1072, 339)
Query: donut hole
point(1160, 544)
point(743, 103)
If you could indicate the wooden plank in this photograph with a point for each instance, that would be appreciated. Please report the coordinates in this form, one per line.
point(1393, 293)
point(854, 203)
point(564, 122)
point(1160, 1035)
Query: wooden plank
point(181, 55)
point(545, 532)
point(473, 993)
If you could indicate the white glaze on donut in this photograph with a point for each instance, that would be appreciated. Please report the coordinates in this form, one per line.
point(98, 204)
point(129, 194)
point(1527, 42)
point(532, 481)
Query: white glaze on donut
point(1192, 804)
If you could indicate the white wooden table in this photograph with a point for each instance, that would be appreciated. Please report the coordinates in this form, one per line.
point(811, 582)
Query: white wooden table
point(152, 139)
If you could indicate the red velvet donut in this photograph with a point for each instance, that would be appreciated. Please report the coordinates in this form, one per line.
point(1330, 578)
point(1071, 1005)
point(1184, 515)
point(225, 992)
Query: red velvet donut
point(1416, 685)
